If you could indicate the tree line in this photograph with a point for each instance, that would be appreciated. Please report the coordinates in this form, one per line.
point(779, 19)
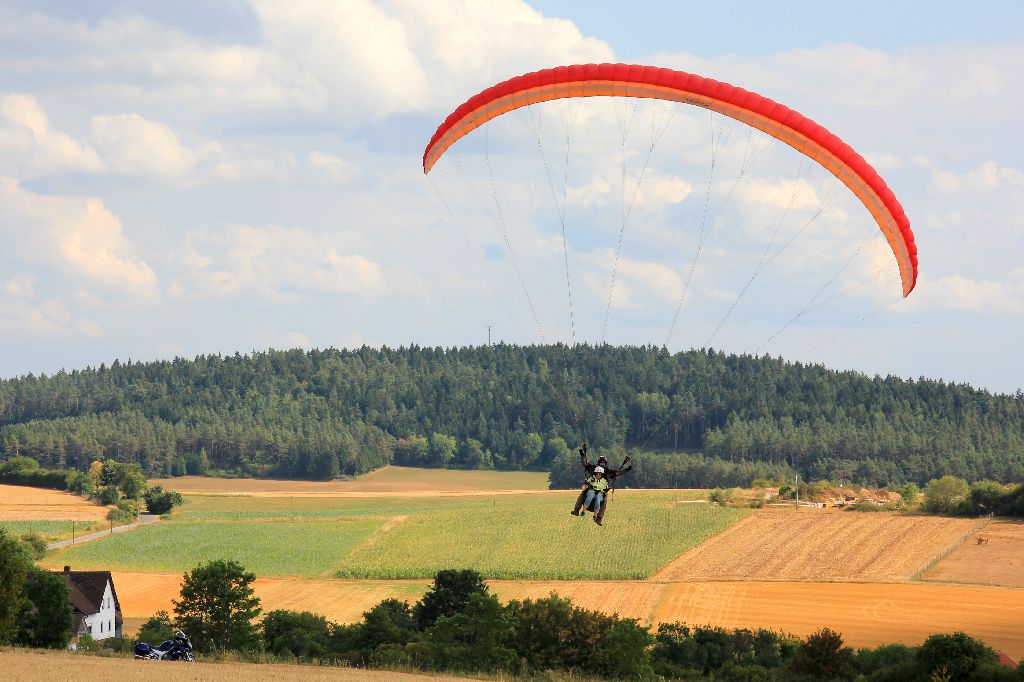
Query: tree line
point(693, 415)
point(460, 626)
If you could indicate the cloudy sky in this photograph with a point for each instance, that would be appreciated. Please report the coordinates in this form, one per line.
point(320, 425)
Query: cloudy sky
point(193, 177)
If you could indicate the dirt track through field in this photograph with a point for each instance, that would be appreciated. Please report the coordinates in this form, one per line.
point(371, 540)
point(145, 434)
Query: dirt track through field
point(820, 545)
point(18, 503)
point(997, 561)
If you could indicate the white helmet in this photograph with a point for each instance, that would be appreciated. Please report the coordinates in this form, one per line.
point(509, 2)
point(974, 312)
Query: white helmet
point(598, 470)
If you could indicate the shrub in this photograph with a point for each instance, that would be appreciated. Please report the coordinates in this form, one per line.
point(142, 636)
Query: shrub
point(823, 657)
point(46, 615)
point(450, 593)
point(157, 629)
point(159, 501)
point(721, 496)
point(479, 637)
point(77, 482)
point(15, 562)
point(958, 655)
point(109, 495)
point(300, 634)
point(36, 545)
point(945, 495)
point(909, 494)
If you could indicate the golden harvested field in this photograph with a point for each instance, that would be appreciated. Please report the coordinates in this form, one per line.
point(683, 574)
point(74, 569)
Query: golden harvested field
point(388, 480)
point(342, 601)
point(627, 598)
point(49, 666)
point(867, 614)
point(1000, 561)
point(22, 502)
point(813, 544)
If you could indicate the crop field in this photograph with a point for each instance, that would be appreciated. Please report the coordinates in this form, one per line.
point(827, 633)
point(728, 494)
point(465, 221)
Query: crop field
point(39, 665)
point(388, 537)
point(999, 560)
point(49, 529)
point(866, 614)
point(821, 545)
point(389, 480)
point(20, 503)
point(304, 548)
point(536, 537)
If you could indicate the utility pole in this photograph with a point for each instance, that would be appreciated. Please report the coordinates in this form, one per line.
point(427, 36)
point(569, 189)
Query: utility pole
point(796, 485)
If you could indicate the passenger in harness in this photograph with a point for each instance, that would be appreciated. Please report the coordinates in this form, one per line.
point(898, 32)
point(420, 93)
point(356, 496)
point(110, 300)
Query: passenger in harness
point(598, 502)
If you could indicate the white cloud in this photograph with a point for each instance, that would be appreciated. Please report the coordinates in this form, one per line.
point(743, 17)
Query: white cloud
point(89, 328)
point(77, 236)
point(19, 286)
point(273, 262)
point(333, 167)
point(355, 50)
point(133, 145)
point(1003, 297)
point(636, 282)
point(29, 148)
point(780, 193)
point(23, 318)
point(883, 161)
point(988, 176)
point(295, 339)
point(654, 190)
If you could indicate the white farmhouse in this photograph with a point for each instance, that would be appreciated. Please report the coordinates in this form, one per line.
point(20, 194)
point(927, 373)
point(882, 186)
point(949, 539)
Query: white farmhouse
point(97, 610)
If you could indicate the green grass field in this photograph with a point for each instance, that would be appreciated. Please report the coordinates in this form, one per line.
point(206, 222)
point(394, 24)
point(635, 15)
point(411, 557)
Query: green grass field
point(537, 538)
point(529, 536)
point(278, 548)
point(50, 529)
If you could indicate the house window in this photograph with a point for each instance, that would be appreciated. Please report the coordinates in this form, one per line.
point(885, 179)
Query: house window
point(101, 626)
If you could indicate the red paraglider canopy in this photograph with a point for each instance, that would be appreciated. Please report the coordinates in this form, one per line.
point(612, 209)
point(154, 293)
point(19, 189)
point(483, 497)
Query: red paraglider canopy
point(626, 80)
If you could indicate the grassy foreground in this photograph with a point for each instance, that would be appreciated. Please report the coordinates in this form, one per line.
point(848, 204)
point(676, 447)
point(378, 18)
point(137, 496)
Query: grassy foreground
point(528, 536)
point(31, 665)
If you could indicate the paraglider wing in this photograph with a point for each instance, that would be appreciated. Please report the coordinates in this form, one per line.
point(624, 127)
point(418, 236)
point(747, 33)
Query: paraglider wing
point(777, 120)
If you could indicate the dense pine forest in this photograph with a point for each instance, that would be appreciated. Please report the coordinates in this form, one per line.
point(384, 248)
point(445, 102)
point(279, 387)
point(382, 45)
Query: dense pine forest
point(698, 418)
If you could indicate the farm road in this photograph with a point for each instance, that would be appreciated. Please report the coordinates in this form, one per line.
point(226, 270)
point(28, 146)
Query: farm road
point(144, 520)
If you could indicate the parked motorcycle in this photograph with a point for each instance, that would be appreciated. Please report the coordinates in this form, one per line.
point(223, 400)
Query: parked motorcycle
point(178, 648)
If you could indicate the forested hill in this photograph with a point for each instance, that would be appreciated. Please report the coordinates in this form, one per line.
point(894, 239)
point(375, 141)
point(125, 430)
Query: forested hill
point(315, 414)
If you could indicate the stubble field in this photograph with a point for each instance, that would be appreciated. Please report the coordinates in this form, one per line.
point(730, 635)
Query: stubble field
point(999, 560)
point(22, 503)
point(812, 544)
